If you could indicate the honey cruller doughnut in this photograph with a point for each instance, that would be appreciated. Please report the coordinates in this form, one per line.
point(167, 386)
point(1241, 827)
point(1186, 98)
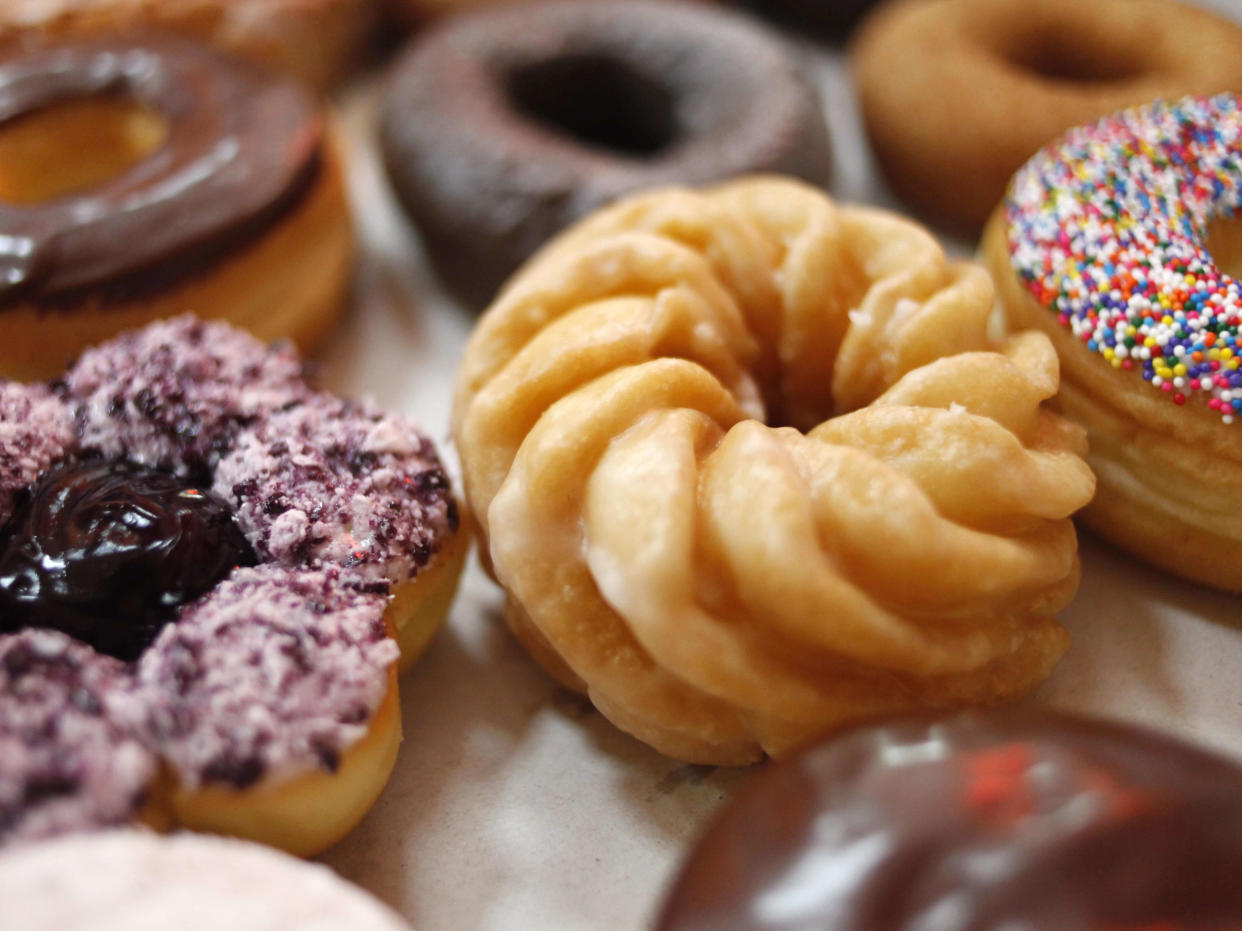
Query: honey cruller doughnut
point(748, 468)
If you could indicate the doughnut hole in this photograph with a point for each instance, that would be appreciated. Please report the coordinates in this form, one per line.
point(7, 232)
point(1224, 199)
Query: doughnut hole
point(1224, 243)
point(599, 101)
point(1044, 43)
point(71, 147)
point(1055, 58)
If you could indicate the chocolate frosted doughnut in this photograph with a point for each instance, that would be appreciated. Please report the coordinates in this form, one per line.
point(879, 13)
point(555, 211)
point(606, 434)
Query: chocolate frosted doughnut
point(209, 571)
point(238, 151)
point(502, 127)
point(1043, 822)
point(232, 205)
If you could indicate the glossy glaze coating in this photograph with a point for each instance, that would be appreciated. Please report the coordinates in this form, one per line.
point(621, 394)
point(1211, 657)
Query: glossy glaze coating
point(242, 147)
point(1036, 821)
point(107, 552)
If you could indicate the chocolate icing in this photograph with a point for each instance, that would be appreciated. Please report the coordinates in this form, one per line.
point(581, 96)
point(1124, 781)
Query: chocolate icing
point(242, 148)
point(107, 552)
point(1034, 821)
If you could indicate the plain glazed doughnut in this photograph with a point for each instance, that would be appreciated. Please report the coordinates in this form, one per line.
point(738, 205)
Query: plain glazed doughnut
point(1117, 241)
point(501, 128)
point(158, 666)
point(748, 467)
point(311, 40)
point(1038, 821)
point(957, 94)
point(230, 204)
point(132, 881)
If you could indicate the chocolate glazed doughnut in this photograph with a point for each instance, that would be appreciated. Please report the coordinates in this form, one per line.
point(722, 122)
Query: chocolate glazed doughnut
point(502, 127)
point(238, 212)
point(1037, 821)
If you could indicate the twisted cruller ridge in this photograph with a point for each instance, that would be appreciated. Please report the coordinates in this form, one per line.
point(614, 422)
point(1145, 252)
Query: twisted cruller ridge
point(721, 586)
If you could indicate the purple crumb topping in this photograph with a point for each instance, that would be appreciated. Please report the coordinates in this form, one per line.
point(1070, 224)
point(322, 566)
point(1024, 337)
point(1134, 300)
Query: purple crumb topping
point(334, 483)
point(70, 758)
point(172, 395)
point(35, 432)
point(272, 671)
point(277, 668)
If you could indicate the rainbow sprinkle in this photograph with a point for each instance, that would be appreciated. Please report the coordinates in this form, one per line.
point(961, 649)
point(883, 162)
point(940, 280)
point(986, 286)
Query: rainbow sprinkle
point(1107, 227)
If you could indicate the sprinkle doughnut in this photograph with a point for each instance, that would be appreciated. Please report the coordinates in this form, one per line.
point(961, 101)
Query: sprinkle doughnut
point(748, 467)
point(948, 149)
point(311, 40)
point(209, 186)
point(208, 573)
point(1039, 821)
point(502, 127)
point(1116, 240)
point(131, 881)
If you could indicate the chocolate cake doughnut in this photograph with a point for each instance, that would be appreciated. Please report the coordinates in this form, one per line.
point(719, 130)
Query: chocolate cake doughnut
point(207, 186)
point(502, 127)
point(141, 882)
point(1037, 821)
point(208, 573)
point(833, 19)
point(311, 40)
point(957, 94)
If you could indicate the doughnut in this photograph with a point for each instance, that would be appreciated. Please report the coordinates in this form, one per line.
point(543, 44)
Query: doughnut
point(833, 19)
point(143, 882)
point(310, 40)
point(208, 187)
point(209, 573)
point(748, 467)
point(1039, 821)
point(418, 11)
point(500, 128)
point(1117, 241)
point(948, 149)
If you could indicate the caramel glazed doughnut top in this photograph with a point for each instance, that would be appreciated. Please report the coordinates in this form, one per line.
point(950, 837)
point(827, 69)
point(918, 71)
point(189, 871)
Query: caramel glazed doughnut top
point(132, 881)
point(957, 94)
point(1117, 241)
point(203, 564)
point(312, 40)
point(502, 127)
point(1041, 822)
point(235, 209)
point(748, 467)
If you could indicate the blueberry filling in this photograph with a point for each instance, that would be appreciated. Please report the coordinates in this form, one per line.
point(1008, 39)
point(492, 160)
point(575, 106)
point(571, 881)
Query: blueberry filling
point(107, 552)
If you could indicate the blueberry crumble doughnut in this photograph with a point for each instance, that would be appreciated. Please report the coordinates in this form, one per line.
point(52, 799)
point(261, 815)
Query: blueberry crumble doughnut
point(957, 94)
point(748, 467)
point(209, 573)
point(135, 881)
point(502, 127)
point(142, 177)
point(311, 40)
point(1039, 821)
point(1121, 241)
